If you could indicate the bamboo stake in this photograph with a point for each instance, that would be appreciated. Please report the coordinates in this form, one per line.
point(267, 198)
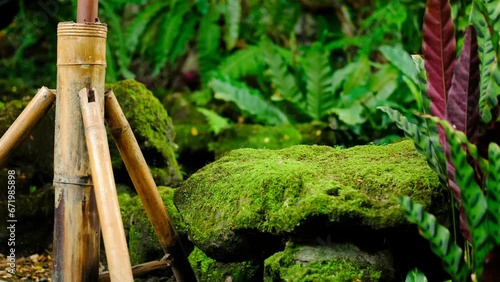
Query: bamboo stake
point(146, 188)
point(113, 232)
point(25, 123)
point(81, 62)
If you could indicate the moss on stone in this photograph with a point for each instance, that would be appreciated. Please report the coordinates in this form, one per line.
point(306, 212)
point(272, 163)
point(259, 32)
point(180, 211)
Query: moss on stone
point(152, 127)
point(290, 266)
point(209, 270)
point(143, 243)
point(275, 191)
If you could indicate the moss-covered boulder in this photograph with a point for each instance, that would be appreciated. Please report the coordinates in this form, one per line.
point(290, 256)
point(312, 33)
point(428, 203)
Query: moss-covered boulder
point(332, 263)
point(210, 270)
point(142, 240)
point(242, 204)
point(152, 128)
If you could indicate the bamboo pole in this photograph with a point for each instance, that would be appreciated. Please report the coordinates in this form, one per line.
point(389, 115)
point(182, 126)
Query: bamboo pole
point(146, 188)
point(87, 11)
point(25, 123)
point(81, 62)
point(110, 217)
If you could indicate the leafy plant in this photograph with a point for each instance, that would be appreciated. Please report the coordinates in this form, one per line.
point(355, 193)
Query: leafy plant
point(463, 150)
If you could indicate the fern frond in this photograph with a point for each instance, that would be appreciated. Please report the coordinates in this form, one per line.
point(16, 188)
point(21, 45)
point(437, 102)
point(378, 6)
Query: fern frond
point(181, 43)
point(247, 99)
point(244, 62)
point(471, 196)
point(168, 33)
point(208, 44)
point(320, 96)
point(282, 79)
point(424, 143)
point(233, 16)
point(216, 122)
point(439, 238)
point(493, 192)
point(136, 28)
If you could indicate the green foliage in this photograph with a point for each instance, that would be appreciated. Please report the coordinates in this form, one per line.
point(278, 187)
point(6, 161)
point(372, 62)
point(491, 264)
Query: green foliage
point(439, 238)
point(248, 100)
point(215, 121)
point(415, 275)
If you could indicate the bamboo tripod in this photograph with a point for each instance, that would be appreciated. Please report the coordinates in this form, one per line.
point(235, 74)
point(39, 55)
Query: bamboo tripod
point(83, 178)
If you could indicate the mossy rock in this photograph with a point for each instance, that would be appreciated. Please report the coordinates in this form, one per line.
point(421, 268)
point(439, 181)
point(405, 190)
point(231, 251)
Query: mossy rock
point(248, 197)
point(152, 128)
point(143, 243)
point(330, 263)
point(210, 270)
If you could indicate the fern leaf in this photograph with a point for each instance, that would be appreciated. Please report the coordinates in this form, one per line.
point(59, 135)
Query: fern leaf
point(136, 28)
point(181, 43)
point(248, 100)
point(487, 58)
point(439, 238)
point(493, 192)
point(216, 122)
point(233, 16)
point(282, 79)
point(168, 33)
point(208, 44)
point(471, 196)
point(320, 97)
point(425, 144)
point(243, 62)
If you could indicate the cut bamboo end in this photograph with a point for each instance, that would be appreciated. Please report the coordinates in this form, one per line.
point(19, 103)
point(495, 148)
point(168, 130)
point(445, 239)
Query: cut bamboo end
point(104, 189)
point(25, 123)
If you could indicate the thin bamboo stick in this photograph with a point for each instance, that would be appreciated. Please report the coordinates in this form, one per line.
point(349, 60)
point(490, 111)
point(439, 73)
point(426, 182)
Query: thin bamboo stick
point(113, 233)
point(140, 269)
point(25, 123)
point(146, 188)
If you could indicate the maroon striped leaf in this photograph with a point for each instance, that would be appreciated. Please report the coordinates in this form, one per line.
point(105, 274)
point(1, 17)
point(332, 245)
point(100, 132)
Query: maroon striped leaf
point(462, 110)
point(439, 50)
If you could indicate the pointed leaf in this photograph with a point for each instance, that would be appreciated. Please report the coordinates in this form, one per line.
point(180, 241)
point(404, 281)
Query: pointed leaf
point(439, 238)
point(282, 79)
point(471, 196)
point(208, 44)
point(487, 58)
point(424, 143)
point(493, 192)
point(216, 122)
point(415, 275)
point(399, 58)
point(439, 51)
point(462, 107)
point(244, 62)
point(247, 99)
point(319, 97)
point(233, 16)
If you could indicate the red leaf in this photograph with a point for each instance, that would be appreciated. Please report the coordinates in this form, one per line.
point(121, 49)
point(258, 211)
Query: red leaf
point(462, 109)
point(439, 50)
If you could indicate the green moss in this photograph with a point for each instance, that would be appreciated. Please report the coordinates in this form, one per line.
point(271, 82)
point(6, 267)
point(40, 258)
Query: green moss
point(209, 270)
point(286, 266)
point(152, 127)
point(275, 191)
